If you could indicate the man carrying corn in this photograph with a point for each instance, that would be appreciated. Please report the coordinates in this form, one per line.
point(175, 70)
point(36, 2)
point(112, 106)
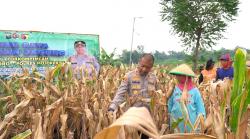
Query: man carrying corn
point(137, 84)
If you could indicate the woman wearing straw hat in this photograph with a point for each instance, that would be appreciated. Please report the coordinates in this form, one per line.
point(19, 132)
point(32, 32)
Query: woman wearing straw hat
point(186, 101)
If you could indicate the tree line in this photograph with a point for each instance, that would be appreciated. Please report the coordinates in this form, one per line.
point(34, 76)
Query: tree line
point(162, 58)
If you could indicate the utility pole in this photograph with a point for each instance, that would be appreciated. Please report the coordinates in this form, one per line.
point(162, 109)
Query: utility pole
point(132, 41)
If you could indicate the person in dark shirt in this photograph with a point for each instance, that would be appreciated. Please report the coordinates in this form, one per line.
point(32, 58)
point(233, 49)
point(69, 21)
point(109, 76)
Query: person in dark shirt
point(226, 69)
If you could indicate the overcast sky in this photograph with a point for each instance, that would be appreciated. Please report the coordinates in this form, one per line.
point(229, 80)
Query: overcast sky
point(112, 20)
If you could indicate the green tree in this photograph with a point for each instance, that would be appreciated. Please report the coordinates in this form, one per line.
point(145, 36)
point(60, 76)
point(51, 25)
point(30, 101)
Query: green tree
point(199, 23)
point(108, 59)
point(136, 54)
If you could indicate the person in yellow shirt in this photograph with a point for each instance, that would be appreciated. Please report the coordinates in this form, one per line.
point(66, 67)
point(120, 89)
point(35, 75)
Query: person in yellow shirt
point(209, 73)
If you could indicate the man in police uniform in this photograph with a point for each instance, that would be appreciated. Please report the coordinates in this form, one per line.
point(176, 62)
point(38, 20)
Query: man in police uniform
point(138, 82)
point(81, 60)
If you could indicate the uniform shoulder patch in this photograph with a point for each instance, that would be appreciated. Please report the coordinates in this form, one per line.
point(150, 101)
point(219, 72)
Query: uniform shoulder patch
point(135, 78)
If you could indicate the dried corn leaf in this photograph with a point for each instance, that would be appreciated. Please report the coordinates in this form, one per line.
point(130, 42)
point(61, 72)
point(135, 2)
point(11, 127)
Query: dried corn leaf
point(98, 128)
point(4, 134)
point(138, 118)
point(54, 89)
point(14, 113)
point(218, 124)
point(89, 114)
point(187, 136)
point(38, 131)
point(27, 93)
point(23, 135)
point(7, 98)
point(63, 130)
point(163, 129)
point(51, 117)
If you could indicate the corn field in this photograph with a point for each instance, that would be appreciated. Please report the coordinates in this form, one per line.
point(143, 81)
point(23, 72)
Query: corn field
point(58, 106)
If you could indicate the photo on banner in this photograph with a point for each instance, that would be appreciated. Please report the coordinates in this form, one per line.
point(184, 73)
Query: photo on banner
point(24, 49)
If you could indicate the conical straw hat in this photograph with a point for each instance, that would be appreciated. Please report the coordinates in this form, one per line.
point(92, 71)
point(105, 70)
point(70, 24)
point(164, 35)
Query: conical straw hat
point(182, 69)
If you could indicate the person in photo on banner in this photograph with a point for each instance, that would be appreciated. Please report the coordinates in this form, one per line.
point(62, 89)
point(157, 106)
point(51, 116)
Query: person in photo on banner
point(82, 62)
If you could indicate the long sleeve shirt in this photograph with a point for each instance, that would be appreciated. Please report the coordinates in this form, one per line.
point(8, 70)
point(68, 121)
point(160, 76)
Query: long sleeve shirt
point(134, 84)
point(87, 62)
point(195, 106)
